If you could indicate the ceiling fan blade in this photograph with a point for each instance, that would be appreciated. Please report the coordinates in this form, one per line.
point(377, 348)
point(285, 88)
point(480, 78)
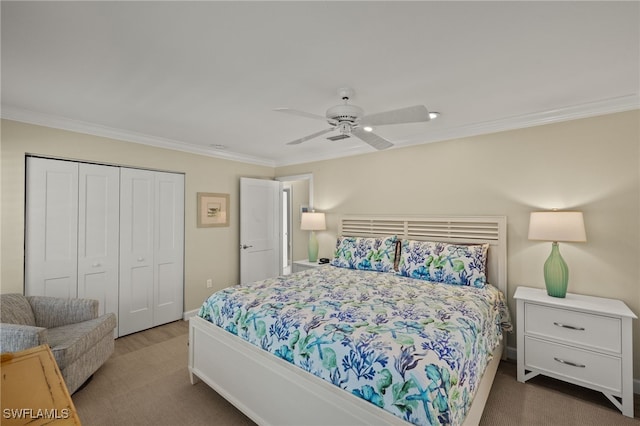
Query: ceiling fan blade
point(311, 136)
point(301, 113)
point(372, 139)
point(413, 114)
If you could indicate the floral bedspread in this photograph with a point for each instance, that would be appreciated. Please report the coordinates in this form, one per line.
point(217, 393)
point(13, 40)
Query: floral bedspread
point(414, 348)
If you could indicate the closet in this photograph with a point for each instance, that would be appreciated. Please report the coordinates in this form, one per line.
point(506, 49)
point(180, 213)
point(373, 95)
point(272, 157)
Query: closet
point(109, 233)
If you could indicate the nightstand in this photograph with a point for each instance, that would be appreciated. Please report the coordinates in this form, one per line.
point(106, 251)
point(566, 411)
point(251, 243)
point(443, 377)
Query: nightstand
point(583, 340)
point(301, 265)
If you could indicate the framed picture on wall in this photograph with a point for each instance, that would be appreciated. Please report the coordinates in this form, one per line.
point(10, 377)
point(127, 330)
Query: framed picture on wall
point(213, 210)
point(303, 209)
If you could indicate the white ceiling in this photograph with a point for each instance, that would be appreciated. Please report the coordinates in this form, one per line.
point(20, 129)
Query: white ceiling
point(189, 75)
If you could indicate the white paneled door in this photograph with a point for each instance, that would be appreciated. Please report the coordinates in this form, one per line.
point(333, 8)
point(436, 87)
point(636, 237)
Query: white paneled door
point(260, 229)
point(168, 247)
point(137, 191)
point(151, 249)
point(98, 229)
point(51, 228)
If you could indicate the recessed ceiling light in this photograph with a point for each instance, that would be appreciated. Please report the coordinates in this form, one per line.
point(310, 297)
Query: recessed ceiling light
point(433, 115)
point(367, 129)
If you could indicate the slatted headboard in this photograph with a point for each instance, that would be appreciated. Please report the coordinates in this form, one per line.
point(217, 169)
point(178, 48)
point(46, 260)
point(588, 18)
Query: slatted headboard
point(454, 229)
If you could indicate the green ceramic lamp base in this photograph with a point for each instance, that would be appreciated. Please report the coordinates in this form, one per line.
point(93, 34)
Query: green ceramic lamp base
point(556, 273)
point(313, 247)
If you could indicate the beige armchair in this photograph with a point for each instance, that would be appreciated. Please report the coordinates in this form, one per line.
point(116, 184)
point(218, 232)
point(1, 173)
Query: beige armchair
point(81, 341)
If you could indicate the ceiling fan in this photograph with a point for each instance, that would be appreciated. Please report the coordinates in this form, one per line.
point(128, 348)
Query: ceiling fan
point(349, 120)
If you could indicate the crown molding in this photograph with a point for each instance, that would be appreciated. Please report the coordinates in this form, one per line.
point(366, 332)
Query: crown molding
point(601, 107)
point(31, 117)
point(574, 112)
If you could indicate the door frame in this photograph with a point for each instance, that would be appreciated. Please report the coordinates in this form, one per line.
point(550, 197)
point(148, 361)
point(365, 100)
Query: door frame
point(287, 228)
point(304, 176)
point(295, 178)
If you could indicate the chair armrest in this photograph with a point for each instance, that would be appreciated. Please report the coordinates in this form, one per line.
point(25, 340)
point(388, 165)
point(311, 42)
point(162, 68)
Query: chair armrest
point(17, 337)
point(51, 312)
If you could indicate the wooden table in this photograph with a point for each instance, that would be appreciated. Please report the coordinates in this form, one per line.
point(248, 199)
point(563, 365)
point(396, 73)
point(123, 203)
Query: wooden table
point(33, 391)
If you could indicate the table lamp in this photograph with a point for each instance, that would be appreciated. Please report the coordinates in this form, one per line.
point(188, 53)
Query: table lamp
point(556, 226)
point(312, 221)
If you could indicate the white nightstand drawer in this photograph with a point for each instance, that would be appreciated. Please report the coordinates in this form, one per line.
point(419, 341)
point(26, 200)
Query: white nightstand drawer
point(590, 368)
point(596, 331)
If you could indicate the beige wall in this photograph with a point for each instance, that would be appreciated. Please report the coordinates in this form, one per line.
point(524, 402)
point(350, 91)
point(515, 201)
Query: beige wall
point(591, 165)
point(209, 252)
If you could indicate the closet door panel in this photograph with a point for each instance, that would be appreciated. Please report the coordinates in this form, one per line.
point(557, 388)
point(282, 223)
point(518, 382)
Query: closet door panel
point(51, 228)
point(136, 250)
point(169, 247)
point(98, 234)
point(138, 294)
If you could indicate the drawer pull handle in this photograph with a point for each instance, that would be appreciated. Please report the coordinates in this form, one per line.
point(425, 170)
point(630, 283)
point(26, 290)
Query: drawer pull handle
point(568, 326)
point(573, 364)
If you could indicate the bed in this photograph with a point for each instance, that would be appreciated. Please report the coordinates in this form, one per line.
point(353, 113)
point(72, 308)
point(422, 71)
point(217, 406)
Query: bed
point(369, 339)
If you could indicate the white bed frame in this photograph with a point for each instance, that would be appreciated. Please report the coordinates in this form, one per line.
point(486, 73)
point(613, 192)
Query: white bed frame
point(272, 391)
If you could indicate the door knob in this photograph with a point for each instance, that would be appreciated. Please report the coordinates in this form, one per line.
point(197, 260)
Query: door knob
point(244, 246)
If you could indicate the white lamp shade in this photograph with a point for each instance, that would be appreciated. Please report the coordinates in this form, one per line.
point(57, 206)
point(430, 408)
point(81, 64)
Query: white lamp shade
point(313, 222)
point(557, 226)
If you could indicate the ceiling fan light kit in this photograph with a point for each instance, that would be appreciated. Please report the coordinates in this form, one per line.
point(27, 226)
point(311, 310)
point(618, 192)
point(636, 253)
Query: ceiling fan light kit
point(350, 120)
point(346, 112)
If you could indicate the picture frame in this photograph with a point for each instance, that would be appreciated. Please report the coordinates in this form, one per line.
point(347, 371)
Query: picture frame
point(303, 209)
point(213, 210)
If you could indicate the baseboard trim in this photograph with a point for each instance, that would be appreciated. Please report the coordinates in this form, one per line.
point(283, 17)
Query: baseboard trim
point(188, 314)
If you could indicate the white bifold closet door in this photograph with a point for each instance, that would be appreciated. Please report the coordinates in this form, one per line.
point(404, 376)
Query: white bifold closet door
point(151, 249)
point(98, 227)
point(109, 233)
point(72, 231)
point(51, 228)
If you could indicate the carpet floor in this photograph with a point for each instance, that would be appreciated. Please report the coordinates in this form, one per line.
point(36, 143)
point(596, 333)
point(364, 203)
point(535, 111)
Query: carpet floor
point(146, 382)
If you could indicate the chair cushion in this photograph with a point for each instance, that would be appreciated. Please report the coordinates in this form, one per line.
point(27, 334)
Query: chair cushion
point(51, 312)
point(15, 309)
point(70, 341)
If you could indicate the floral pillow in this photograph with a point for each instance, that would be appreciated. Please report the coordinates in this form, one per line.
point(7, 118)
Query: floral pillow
point(369, 254)
point(444, 262)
